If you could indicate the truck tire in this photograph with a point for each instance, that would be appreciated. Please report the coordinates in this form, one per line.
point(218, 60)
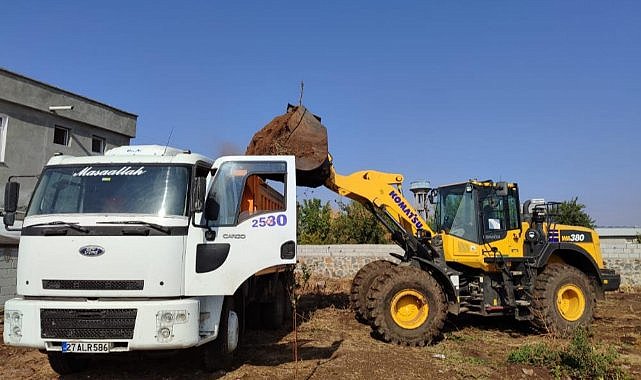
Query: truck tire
point(252, 316)
point(407, 306)
point(273, 313)
point(564, 299)
point(65, 364)
point(219, 354)
point(361, 285)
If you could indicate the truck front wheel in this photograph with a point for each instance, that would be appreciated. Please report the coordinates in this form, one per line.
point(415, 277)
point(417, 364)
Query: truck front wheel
point(563, 299)
point(407, 306)
point(219, 354)
point(65, 364)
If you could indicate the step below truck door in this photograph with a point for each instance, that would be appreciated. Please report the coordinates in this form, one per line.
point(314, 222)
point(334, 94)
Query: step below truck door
point(250, 214)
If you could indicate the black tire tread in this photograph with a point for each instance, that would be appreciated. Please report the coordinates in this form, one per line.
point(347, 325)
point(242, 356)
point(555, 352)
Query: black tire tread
point(273, 313)
point(361, 284)
point(411, 277)
point(215, 354)
point(65, 364)
point(546, 317)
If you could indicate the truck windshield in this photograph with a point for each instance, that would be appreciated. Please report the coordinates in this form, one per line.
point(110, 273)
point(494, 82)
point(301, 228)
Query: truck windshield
point(112, 189)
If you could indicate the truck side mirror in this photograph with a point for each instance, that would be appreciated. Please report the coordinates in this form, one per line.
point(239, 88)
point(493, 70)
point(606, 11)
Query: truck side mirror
point(11, 193)
point(212, 209)
point(9, 218)
point(198, 194)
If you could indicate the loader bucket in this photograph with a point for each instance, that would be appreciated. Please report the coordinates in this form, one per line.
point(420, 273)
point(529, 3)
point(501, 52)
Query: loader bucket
point(300, 133)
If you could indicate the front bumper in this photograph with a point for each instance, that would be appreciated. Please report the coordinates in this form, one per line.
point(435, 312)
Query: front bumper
point(610, 280)
point(85, 321)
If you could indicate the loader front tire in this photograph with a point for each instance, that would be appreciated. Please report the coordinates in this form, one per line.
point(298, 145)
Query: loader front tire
point(407, 306)
point(563, 299)
point(361, 285)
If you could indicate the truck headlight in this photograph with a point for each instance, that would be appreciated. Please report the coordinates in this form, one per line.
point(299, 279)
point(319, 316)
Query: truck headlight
point(164, 333)
point(165, 321)
point(181, 317)
point(13, 321)
point(167, 317)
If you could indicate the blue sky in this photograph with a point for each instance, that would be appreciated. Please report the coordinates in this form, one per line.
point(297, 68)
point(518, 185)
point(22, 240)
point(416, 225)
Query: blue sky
point(544, 93)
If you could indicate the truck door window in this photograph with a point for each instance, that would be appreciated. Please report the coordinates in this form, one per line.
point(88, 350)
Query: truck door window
point(244, 189)
point(259, 196)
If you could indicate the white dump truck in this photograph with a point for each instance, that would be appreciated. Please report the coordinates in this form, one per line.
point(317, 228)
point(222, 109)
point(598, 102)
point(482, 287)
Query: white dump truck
point(151, 248)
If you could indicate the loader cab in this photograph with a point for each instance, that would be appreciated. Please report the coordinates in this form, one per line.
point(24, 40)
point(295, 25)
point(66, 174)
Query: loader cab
point(478, 212)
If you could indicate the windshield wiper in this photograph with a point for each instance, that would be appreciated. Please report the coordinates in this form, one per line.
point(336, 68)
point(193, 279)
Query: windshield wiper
point(73, 226)
point(155, 226)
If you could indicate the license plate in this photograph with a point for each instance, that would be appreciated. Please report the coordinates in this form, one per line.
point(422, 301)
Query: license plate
point(85, 347)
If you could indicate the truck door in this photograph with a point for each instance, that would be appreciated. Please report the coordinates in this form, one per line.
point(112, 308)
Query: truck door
point(250, 219)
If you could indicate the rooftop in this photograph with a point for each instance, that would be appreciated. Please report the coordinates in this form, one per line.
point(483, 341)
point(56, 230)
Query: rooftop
point(63, 91)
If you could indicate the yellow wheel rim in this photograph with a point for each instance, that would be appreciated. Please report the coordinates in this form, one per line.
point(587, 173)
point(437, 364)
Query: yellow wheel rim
point(570, 301)
point(409, 309)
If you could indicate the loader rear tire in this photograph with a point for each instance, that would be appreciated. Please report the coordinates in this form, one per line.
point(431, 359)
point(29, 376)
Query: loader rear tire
point(361, 285)
point(564, 299)
point(407, 306)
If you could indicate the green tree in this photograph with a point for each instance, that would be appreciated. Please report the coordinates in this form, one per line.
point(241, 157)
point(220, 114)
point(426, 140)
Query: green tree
point(357, 225)
point(572, 213)
point(314, 221)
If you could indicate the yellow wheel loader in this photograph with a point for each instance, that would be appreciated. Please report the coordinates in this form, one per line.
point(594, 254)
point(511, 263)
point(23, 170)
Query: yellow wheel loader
point(485, 256)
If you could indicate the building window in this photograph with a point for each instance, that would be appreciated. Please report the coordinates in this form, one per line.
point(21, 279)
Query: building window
point(4, 120)
point(97, 144)
point(61, 135)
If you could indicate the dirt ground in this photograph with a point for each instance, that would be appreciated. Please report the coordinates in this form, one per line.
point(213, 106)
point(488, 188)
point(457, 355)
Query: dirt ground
point(333, 345)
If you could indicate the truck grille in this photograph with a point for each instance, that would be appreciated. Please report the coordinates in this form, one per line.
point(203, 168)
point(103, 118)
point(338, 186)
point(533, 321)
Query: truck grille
point(87, 323)
point(93, 284)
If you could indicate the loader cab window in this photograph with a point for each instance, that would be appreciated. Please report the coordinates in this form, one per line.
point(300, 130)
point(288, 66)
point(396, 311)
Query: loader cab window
point(456, 212)
point(499, 214)
point(241, 190)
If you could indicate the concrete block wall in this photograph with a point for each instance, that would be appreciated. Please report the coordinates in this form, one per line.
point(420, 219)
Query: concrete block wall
point(625, 258)
point(342, 260)
point(8, 262)
point(345, 260)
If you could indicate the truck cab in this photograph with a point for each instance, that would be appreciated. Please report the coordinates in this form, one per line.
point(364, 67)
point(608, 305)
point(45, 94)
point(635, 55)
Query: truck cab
point(150, 248)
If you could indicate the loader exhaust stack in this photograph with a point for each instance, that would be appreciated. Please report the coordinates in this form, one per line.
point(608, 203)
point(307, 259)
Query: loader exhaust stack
point(300, 133)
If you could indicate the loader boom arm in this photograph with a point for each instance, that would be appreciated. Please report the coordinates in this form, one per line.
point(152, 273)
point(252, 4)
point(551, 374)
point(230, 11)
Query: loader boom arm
point(382, 190)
